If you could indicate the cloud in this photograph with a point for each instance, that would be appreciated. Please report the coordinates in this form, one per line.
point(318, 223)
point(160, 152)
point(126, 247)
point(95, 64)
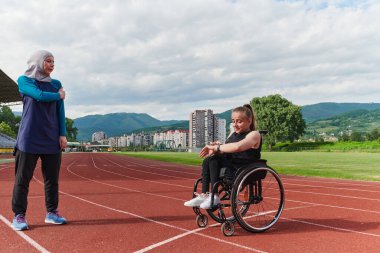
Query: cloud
point(167, 58)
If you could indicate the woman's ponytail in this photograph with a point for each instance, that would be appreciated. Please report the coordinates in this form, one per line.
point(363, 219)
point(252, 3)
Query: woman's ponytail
point(253, 120)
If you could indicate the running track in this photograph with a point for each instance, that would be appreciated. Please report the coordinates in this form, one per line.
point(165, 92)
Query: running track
point(122, 204)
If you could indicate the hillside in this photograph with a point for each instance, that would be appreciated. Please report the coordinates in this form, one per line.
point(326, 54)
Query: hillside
point(116, 124)
point(322, 117)
point(358, 120)
point(326, 110)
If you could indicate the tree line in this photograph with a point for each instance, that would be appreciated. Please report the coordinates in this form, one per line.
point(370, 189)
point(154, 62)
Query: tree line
point(9, 124)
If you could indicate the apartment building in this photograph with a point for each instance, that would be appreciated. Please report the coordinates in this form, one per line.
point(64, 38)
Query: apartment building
point(176, 138)
point(205, 127)
point(98, 136)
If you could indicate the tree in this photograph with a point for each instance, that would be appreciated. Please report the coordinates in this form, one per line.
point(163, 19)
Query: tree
point(71, 130)
point(7, 116)
point(6, 129)
point(374, 135)
point(280, 117)
point(345, 137)
point(356, 136)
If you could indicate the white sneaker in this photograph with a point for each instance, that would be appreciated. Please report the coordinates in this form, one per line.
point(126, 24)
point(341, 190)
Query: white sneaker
point(207, 203)
point(195, 202)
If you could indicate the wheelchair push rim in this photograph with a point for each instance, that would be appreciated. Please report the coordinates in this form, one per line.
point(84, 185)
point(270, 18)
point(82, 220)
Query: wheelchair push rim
point(224, 206)
point(264, 200)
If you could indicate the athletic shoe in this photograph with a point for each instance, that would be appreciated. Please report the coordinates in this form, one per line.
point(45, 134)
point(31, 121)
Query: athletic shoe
point(195, 202)
point(19, 223)
point(55, 218)
point(207, 203)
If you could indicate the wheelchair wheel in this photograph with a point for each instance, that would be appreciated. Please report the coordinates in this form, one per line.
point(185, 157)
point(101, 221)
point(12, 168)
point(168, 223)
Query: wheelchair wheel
point(263, 201)
point(202, 221)
point(228, 228)
point(225, 205)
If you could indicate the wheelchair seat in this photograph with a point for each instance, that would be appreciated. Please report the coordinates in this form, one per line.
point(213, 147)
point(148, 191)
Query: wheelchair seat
point(228, 173)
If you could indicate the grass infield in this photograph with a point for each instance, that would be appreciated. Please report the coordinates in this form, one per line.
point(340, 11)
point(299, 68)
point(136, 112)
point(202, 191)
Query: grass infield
point(346, 165)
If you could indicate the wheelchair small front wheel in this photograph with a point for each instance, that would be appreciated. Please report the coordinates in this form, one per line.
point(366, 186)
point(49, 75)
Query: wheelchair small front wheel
point(202, 220)
point(227, 228)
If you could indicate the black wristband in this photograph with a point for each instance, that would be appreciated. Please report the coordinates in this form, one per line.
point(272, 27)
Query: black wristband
point(218, 148)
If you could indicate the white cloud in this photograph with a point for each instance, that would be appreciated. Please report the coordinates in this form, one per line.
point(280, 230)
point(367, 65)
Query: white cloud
point(167, 58)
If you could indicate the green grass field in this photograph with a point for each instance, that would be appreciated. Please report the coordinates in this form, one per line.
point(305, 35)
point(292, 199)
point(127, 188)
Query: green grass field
point(358, 166)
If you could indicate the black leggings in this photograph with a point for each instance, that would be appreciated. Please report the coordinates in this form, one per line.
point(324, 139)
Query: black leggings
point(25, 165)
point(210, 172)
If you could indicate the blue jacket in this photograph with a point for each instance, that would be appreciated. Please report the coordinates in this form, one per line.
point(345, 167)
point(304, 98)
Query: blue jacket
point(43, 117)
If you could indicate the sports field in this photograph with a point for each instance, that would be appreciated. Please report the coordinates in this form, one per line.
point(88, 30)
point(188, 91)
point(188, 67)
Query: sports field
point(345, 165)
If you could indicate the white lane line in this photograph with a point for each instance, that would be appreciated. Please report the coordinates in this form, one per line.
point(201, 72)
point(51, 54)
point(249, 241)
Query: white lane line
point(123, 188)
point(152, 181)
point(25, 237)
point(330, 181)
point(332, 195)
point(329, 187)
point(199, 229)
point(153, 221)
point(159, 168)
point(147, 172)
point(340, 207)
point(284, 182)
point(7, 167)
point(148, 163)
point(332, 206)
point(331, 227)
point(190, 233)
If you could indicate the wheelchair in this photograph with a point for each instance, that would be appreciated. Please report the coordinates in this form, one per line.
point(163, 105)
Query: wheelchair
point(253, 196)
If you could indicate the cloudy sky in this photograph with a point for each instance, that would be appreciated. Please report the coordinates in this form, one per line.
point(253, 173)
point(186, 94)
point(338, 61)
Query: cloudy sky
point(170, 57)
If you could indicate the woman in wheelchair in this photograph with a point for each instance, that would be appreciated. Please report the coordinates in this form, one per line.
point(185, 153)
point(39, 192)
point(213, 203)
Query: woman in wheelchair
point(243, 147)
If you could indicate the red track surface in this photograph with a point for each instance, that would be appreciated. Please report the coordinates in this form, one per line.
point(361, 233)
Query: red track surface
point(121, 204)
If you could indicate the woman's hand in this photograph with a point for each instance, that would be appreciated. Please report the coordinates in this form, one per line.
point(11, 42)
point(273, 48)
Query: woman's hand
point(62, 93)
point(208, 150)
point(215, 143)
point(62, 142)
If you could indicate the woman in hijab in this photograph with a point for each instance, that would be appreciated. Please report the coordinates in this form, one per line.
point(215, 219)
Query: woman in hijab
point(42, 135)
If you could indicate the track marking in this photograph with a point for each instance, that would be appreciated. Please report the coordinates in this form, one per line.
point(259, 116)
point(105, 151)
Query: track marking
point(196, 230)
point(330, 181)
point(124, 188)
point(156, 167)
point(25, 237)
point(154, 221)
point(287, 190)
point(340, 207)
point(152, 181)
point(153, 166)
point(147, 172)
point(332, 206)
point(329, 187)
point(330, 227)
point(6, 167)
point(333, 195)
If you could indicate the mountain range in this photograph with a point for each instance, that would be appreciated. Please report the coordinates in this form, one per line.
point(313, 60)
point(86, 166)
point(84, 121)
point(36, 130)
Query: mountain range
point(117, 124)
point(320, 117)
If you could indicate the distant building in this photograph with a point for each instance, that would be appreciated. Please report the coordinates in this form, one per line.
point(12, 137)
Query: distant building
point(98, 136)
point(204, 128)
point(172, 138)
point(221, 130)
point(136, 140)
